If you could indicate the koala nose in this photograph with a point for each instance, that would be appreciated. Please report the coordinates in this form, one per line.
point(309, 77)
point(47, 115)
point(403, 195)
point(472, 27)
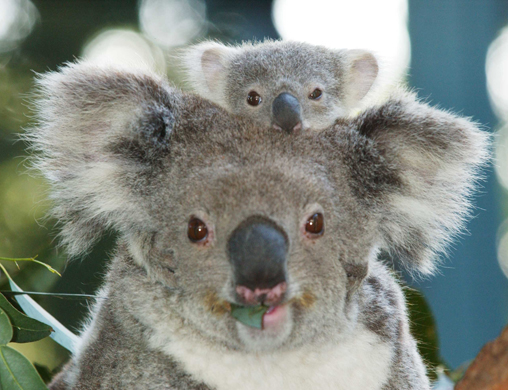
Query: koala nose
point(257, 251)
point(286, 112)
point(267, 296)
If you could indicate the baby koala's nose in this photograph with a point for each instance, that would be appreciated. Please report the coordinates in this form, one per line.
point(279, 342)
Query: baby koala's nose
point(286, 113)
point(257, 251)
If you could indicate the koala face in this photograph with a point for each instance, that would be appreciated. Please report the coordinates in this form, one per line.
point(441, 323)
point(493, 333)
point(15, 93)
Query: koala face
point(219, 210)
point(290, 86)
point(258, 244)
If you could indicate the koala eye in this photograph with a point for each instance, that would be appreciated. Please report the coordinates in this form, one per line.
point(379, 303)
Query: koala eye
point(316, 94)
point(315, 224)
point(197, 230)
point(254, 99)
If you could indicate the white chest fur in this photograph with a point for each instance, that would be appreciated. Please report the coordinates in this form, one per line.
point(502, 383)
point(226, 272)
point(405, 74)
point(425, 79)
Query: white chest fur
point(358, 364)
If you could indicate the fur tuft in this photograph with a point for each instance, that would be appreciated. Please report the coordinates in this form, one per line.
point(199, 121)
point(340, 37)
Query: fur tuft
point(436, 157)
point(206, 66)
point(81, 111)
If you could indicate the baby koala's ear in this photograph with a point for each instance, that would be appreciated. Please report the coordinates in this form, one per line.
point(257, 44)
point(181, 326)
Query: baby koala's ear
point(360, 72)
point(206, 65)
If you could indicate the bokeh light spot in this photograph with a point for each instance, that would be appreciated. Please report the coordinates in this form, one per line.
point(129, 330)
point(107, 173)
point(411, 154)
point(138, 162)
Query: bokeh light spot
point(17, 19)
point(501, 153)
point(172, 23)
point(378, 26)
point(497, 75)
point(502, 247)
point(125, 48)
point(496, 66)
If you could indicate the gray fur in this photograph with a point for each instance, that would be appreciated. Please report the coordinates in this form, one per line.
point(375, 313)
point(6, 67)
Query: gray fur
point(225, 75)
point(126, 151)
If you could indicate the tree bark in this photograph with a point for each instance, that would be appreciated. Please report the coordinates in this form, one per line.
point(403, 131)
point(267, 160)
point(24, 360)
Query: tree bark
point(489, 370)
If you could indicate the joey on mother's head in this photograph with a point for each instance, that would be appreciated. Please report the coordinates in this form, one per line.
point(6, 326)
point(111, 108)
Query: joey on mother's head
point(288, 85)
point(215, 211)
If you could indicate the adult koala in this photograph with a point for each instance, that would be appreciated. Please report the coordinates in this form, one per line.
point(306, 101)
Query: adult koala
point(214, 211)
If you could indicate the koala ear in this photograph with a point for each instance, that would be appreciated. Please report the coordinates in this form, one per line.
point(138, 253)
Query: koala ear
point(360, 73)
point(422, 167)
point(98, 130)
point(206, 65)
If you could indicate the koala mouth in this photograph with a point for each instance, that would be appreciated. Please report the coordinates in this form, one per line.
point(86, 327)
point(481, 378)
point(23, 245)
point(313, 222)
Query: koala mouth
point(261, 316)
point(274, 316)
point(265, 317)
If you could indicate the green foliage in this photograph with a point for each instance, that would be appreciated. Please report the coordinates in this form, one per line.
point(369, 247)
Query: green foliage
point(34, 260)
point(250, 316)
point(424, 330)
point(25, 329)
point(5, 328)
point(61, 334)
point(16, 371)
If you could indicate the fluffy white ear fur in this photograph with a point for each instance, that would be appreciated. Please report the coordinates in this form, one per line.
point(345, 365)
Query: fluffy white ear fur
point(206, 66)
point(361, 71)
point(81, 110)
point(437, 156)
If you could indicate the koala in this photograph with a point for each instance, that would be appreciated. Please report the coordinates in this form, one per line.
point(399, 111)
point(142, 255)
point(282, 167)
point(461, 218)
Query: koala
point(292, 86)
point(214, 211)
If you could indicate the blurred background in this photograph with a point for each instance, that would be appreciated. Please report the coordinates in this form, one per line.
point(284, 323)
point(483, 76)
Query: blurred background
point(454, 52)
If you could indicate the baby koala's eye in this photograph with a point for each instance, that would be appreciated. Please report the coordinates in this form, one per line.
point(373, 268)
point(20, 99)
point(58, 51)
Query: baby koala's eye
point(197, 230)
point(316, 94)
point(315, 224)
point(254, 99)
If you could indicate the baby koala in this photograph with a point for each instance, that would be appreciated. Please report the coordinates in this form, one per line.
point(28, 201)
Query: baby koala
point(288, 85)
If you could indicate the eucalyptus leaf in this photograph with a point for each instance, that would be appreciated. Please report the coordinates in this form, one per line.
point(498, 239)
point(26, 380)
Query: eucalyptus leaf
point(442, 382)
point(249, 315)
point(17, 373)
point(44, 372)
point(457, 374)
point(61, 334)
point(424, 330)
point(33, 260)
point(25, 329)
point(5, 328)
point(67, 296)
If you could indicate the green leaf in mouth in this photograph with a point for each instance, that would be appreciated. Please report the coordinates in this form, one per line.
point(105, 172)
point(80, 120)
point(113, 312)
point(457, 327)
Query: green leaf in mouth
point(249, 315)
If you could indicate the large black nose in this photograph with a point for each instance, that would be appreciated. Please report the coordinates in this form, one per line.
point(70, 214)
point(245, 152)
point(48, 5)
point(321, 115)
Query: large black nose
point(257, 250)
point(286, 112)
